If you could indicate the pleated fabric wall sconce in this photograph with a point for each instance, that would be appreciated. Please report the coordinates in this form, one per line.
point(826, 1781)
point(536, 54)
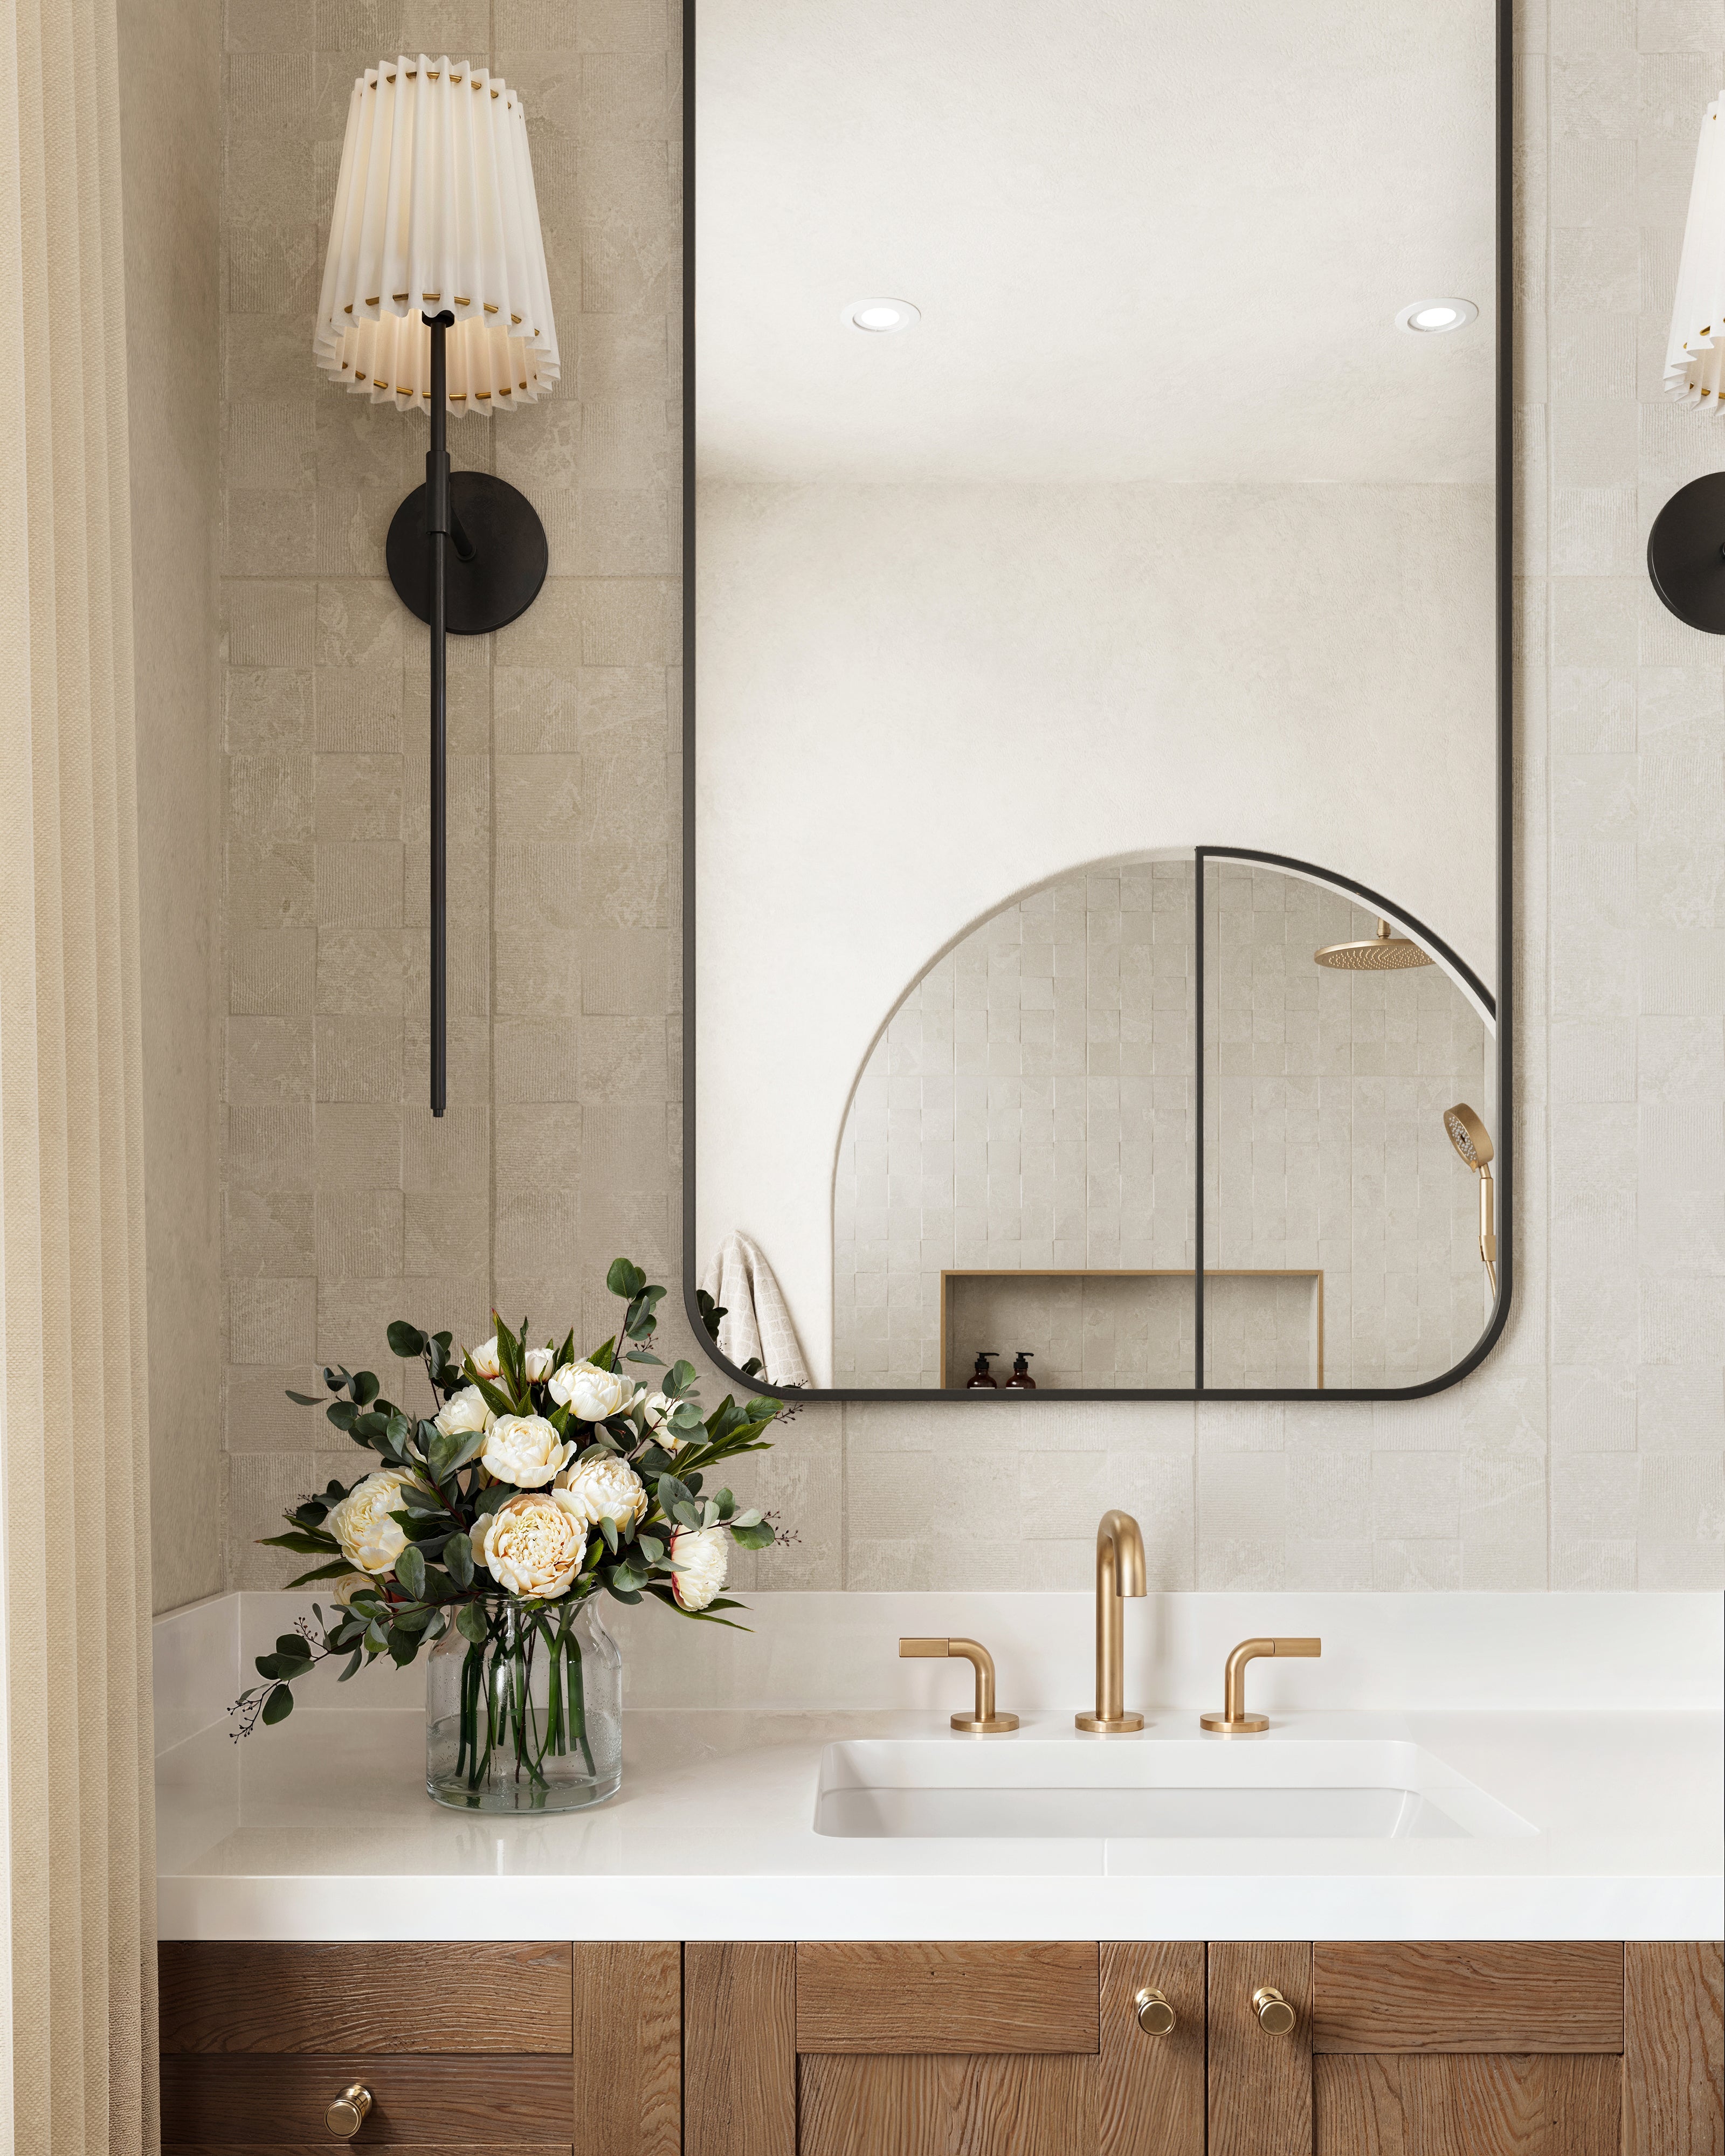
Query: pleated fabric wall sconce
point(435, 300)
point(1686, 548)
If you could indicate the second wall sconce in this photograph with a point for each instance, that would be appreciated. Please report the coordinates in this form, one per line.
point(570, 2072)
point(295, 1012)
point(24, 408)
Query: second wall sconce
point(1685, 548)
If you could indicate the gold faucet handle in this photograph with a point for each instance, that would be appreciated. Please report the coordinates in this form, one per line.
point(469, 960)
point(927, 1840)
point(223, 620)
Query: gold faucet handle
point(1234, 1721)
point(984, 1721)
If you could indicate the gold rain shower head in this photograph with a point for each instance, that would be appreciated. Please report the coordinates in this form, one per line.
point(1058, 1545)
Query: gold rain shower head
point(1382, 953)
point(1472, 1141)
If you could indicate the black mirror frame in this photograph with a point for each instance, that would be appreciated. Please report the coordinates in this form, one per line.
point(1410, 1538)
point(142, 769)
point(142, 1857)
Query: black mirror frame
point(1503, 1005)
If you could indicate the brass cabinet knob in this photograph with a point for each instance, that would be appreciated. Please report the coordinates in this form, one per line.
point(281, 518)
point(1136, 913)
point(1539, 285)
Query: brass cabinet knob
point(1156, 2017)
point(1276, 2017)
point(347, 2114)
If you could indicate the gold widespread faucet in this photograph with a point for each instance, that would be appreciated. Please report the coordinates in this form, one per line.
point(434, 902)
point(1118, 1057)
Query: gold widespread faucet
point(1234, 1721)
point(1120, 1571)
point(983, 1721)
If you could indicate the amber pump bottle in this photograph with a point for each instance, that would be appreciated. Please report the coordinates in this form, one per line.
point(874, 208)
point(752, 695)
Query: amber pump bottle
point(1021, 1381)
point(980, 1379)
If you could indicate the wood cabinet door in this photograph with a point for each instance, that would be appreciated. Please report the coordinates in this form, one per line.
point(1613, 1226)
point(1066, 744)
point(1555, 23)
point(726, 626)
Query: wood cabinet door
point(1456, 2048)
point(941, 2049)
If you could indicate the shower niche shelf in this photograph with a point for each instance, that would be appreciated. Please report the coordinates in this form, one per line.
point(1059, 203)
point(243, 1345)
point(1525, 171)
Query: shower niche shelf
point(1103, 1329)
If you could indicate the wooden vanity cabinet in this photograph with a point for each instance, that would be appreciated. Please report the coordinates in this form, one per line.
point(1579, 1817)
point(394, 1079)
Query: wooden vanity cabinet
point(969, 2048)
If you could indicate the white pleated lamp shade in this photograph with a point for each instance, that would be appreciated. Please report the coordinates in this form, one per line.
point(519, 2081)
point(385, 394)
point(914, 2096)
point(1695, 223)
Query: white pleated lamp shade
point(1695, 358)
point(435, 210)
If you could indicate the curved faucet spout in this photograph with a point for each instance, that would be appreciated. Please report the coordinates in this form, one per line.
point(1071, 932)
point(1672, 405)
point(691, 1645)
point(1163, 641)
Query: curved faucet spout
point(1120, 1571)
point(1125, 1553)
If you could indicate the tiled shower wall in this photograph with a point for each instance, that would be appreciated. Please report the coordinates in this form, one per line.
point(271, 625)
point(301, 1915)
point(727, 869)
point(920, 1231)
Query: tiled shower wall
point(1589, 1452)
point(1028, 1108)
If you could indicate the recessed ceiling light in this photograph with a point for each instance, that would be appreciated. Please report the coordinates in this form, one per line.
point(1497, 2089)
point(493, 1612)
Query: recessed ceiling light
point(1432, 317)
point(881, 317)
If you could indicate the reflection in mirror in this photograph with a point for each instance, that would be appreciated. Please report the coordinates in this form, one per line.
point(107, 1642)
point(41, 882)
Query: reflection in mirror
point(1335, 1046)
point(1094, 432)
point(1016, 1173)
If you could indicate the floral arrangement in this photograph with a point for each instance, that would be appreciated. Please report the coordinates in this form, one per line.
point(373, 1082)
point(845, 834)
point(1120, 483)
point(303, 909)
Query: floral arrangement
point(537, 1479)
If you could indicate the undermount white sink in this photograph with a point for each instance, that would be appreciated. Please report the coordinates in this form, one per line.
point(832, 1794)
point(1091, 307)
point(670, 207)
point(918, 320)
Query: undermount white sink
point(1143, 1789)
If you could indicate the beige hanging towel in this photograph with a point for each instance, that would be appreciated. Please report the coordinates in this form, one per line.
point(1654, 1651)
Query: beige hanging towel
point(757, 1321)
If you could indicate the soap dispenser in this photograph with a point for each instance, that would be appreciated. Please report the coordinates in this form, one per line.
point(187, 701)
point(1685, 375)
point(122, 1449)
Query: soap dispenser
point(1021, 1381)
point(980, 1379)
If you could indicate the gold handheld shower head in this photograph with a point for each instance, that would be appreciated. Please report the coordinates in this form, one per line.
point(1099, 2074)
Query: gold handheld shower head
point(1472, 1141)
point(1382, 953)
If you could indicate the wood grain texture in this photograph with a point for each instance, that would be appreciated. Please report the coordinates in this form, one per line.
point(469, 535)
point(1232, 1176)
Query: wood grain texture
point(1439, 1995)
point(1150, 2090)
point(950, 1996)
point(628, 2052)
point(440, 1996)
point(329, 2145)
point(739, 2049)
point(901, 2104)
point(1259, 2086)
point(1463, 2104)
point(270, 2102)
point(1673, 2050)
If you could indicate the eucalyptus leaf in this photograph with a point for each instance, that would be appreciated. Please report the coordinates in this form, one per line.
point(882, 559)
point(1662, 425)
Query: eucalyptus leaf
point(410, 1571)
point(353, 1662)
point(278, 1705)
point(364, 1388)
point(759, 1536)
point(303, 1400)
point(405, 1340)
point(625, 1279)
point(322, 1571)
point(343, 1414)
point(471, 1622)
point(307, 1544)
point(458, 1556)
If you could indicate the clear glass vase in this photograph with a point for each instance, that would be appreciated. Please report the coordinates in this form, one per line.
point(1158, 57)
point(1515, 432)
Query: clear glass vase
point(528, 1719)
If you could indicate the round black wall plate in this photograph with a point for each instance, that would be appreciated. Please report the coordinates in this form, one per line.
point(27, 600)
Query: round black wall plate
point(510, 555)
point(1685, 559)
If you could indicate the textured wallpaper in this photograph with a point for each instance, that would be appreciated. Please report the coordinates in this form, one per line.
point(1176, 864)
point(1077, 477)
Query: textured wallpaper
point(1590, 1449)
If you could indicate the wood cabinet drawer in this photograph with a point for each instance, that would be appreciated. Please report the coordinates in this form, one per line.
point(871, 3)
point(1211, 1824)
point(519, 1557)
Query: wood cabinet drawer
point(454, 2104)
point(431, 1996)
point(1540, 1995)
point(1021, 1996)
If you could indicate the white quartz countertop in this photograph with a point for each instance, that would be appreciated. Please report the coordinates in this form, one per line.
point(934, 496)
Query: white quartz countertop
point(321, 1829)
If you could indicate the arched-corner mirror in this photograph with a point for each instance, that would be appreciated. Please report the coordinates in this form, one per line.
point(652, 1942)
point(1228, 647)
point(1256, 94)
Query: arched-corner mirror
point(1097, 969)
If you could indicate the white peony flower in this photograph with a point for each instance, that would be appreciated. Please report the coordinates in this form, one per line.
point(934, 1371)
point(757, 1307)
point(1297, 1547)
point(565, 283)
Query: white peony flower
point(541, 1361)
point(531, 1545)
point(464, 1411)
point(361, 1523)
point(523, 1450)
point(485, 1360)
point(604, 1487)
point(656, 1413)
point(346, 1589)
point(592, 1393)
point(701, 1556)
